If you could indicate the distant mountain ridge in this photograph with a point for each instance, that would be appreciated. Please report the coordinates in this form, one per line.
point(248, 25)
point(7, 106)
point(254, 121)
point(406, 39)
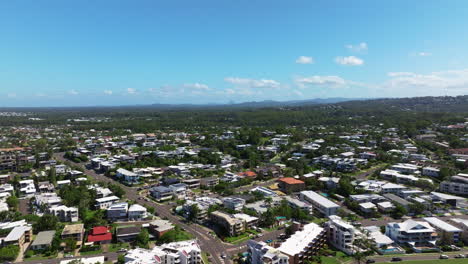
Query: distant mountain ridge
point(262, 104)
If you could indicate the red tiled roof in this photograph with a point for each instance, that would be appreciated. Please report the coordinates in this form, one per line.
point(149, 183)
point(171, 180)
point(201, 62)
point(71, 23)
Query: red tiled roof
point(99, 233)
point(290, 180)
point(248, 174)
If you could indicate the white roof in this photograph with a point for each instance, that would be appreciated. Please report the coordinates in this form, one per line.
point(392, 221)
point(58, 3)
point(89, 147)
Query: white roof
point(385, 204)
point(92, 260)
point(107, 199)
point(319, 199)
point(437, 223)
point(247, 218)
point(301, 239)
point(136, 207)
point(444, 196)
point(367, 205)
point(16, 233)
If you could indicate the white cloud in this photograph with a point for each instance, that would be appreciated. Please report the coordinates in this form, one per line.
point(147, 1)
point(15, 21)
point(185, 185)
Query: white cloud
point(197, 86)
point(397, 74)
point(305, 60)
point(108, 92)
point(253, 83)
point(11, 95)
point(321, 81)
point(452, 79)
point(350, 60)
point(73, 92)
point(424, 54)
point(131, 91)
point(361, 47)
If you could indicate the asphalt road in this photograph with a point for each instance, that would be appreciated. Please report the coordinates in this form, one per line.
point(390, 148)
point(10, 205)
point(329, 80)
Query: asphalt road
point(420, 256)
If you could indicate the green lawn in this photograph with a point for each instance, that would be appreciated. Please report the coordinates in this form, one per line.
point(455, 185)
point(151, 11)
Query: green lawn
point(435, 261)
point(116, 247)
point(40, 257)
point(93, 252)
point(330, 260)
point(237, 239)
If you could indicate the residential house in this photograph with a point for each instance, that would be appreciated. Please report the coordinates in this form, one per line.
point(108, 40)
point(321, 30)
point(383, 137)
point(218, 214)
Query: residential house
point(445, 229)
point(137, 212)
point(261, 252)
point(100, 235)
point(127, 234)
point(75, 232)
point(18, 236)
point(161, 193)
point(117, 211)
point(105, 202)
point(43, 240)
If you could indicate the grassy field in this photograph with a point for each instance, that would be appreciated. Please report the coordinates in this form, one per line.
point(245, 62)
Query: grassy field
point(434, 261)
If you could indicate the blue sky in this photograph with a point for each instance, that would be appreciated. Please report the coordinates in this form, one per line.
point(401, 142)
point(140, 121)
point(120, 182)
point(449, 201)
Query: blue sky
point(73, 53)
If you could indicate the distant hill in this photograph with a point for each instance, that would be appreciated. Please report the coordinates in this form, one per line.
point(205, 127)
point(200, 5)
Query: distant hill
point(420, 104)
point(259, 104)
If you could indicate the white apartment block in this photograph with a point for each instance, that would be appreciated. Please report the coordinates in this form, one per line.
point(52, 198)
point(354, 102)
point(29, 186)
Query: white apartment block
point(184, 252)
point(304, 243)
point(261, 253)
point(106, 202)
point(418, 235)
point(320, 203)
point(341, 234)
point(64, 213)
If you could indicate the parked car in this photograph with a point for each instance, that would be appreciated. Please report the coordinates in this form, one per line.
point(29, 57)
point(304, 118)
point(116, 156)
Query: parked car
point(69, 256)
point(443, 257)
point(394, 259)
point(370, 261)
point(460, 256)
point(122, 250)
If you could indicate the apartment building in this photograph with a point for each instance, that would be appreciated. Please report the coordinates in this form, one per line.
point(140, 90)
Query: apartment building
point(232, 225)
point(445, 229)
point(418, 235)
point(289, 185)
point(341, 234)
point(320, 203)
point(304, 243)
point(76, 232)
point(234, 203)
point(457, 184)
point(161, 193)
point(261, 253)
point(209, 182)
point(65, 213)
point(183, 252)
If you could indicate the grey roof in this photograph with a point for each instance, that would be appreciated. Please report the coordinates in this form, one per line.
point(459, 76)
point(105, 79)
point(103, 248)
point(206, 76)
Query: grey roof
point(44, 238)
point(396, 199)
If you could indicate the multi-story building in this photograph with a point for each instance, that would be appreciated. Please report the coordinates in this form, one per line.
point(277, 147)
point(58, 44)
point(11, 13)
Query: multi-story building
point(458, 184)
point(137, 212)
point(117, 211)
point(261, 253)
point(127, 175)
point(342, 234)
point(289, 185)
point(234, 203)
point(418, 235)
point(106, 202)
point(209, 182)
point(64, 213)
point(232, 225)
point(320, 203)
point(75, 232)
point(161, 193)
point(304, 243)
point(184, 252)
point(445, 229)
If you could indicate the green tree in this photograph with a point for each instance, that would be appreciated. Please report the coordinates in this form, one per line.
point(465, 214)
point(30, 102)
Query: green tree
point(142, 239)
point(121, 259)
point(52, 176)
point(13, 202)
point(70, 244)
point(46, 222)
